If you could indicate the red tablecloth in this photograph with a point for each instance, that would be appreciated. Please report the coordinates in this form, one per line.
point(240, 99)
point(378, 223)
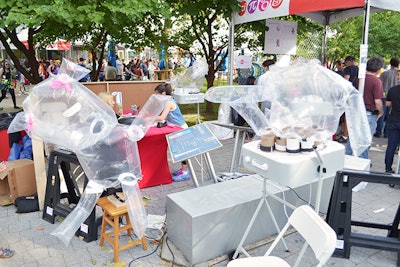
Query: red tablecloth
point(4, 146)
point(153, 156)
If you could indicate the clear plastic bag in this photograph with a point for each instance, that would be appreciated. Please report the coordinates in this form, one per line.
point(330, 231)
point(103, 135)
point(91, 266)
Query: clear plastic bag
point(63, 112)
point(307, 102)
point(192, 79)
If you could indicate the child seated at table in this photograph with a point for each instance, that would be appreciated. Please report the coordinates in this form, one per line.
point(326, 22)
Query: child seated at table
point(172, 114)
point(109, 99)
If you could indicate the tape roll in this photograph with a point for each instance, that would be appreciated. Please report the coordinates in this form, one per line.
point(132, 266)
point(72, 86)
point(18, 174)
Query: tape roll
point(280, 144)
point(307, 145)
point(268, 140)
point(292, 145)
point(267, 148)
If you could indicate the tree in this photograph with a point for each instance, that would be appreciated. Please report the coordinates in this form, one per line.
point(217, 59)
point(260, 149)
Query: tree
point(202, 27)
point(105, 20)
point(346, 36)
point(17, 16)
point(93, 22)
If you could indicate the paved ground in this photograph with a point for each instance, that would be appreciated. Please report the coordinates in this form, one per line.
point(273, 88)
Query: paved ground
point(29, 235)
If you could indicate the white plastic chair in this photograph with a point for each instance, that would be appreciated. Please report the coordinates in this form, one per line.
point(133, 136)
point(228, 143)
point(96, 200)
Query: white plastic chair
point(315, 231)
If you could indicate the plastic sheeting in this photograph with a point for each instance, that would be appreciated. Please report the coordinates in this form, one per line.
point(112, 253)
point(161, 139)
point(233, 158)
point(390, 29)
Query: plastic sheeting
point(63, 112)
point(192, 79)
point(307, 102)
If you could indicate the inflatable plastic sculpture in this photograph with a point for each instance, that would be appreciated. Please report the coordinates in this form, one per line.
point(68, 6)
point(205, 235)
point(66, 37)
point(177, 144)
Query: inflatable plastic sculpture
point(192, 79)
point(307, 102)
point(63, 112)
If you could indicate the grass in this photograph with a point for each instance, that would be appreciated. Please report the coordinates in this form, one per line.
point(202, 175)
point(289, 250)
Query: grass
point(189, 111)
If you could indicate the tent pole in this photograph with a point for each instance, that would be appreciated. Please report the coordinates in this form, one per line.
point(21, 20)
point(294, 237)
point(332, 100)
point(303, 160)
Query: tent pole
point(367, 12)
point(231, 48)
point(324, 39)
point(362, 62)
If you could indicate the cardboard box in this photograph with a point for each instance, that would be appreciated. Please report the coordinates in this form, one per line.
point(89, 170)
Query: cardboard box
point(18, 179)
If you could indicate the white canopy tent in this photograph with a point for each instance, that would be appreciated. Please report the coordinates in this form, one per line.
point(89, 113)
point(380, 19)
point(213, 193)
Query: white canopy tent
point(324, 12)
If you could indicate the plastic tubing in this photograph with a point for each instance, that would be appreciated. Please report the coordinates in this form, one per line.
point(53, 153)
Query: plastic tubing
point(134, 202)
point(66, 230)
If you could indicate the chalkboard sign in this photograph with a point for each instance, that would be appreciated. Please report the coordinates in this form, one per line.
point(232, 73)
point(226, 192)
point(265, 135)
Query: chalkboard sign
point(190, 142)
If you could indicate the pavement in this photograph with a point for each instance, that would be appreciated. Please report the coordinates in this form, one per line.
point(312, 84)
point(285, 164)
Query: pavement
point(30, 236)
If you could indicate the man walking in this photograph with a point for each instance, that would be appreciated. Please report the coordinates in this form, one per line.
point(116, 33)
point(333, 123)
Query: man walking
point(389, 79)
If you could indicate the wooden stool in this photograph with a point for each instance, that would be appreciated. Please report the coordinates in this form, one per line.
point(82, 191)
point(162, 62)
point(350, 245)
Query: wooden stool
point(112, 215)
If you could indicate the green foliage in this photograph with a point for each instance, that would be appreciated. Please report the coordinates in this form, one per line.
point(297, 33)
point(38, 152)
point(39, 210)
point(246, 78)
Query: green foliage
point(190, 111)
point(346, 36)
point(93, 22)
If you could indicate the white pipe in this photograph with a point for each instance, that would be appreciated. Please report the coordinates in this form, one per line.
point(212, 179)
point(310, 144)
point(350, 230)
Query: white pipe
point(231, 48)
point(361, 80)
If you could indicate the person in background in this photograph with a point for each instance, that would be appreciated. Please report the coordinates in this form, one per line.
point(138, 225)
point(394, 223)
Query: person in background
point(42, 70)
point(82, 63)
point(144, 71)
point(339, 66)
point(389, 79)
point(57, 64)
point(108, 99)
point(266, 65)
point(237, 119)
point(339, 69)
point(172, 114)
point(251, 80)
point(51, 66)
point(187, 60)
point(350, 73)
point(393, 124)
point(103, 66)
point(6, 83)
point(110, 72)
point(120, 69)
point(373, 94)
point(151, 69)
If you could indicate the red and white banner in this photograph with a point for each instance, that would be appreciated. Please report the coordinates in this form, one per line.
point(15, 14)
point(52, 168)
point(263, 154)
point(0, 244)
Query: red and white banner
point(253, 10)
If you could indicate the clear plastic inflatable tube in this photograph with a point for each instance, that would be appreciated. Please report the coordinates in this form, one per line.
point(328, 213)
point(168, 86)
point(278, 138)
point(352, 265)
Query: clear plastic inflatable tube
point(300, 107)
point(66, 230)
point(192, 79)
point(134, 202)
point(63, 112)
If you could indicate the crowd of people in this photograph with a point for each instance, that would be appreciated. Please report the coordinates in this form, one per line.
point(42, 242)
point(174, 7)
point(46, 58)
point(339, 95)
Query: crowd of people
point(381, 112)
point(382, 102)
point(381, 96)
point(136, 69)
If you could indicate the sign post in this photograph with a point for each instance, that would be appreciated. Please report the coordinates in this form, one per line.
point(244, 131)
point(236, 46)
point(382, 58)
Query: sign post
point(194, 141)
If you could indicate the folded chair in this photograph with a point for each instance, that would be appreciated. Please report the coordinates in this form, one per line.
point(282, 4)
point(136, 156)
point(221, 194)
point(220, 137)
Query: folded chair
point(315, 231)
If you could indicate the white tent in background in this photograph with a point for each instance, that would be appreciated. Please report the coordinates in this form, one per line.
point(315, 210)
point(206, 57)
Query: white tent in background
point(324, 12)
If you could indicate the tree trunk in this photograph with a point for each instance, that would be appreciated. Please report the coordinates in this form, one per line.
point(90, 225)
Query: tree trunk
point(210, 83)
point(30, 70)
